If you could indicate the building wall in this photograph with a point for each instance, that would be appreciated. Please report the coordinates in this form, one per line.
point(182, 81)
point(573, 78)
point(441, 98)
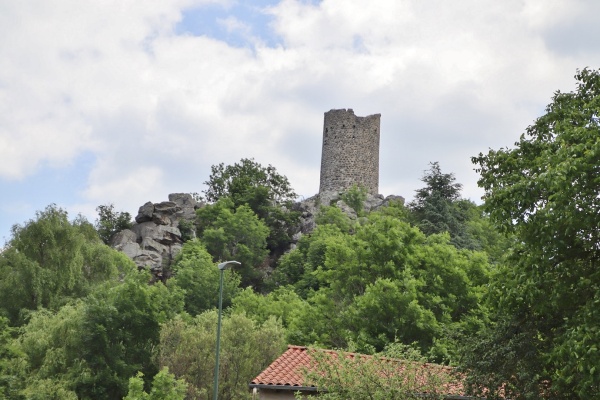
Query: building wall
point(350, 152)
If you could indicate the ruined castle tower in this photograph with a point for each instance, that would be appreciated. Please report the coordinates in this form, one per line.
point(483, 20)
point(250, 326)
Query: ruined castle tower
point(350, 151)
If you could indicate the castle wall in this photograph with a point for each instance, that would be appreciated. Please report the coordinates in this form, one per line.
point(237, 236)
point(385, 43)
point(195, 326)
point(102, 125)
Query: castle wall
point(350, 151)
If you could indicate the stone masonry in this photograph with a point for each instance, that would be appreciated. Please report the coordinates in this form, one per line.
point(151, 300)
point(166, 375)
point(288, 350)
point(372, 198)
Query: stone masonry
point(350, 152)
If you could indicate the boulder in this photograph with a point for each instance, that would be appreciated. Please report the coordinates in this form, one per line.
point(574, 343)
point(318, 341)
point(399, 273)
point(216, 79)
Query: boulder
point(150, 244)
point(161, 219)
point(148, 260)
point(145, 213)
point(145, 229)
point(165, 208)
point(186, 204)
point(168, 235)
point(125, 236)
point(183, 200)
point(131, 249)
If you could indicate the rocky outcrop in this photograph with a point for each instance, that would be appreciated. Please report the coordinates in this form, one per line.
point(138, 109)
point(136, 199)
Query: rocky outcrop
point(309, 208)
point(155, 238)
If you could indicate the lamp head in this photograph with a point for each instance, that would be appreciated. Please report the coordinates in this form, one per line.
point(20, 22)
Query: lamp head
point(228, 264)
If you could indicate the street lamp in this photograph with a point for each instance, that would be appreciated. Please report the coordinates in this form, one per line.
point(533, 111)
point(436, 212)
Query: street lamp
point(222, 267)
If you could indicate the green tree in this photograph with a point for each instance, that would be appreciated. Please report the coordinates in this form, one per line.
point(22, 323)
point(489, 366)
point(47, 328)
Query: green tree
point(386, 281)
point(8, 377)
point(299, 266)
point(264, 190)
point(110, 222)
point(50, 260)
point(486, 236)
point(438, 207)
point(42, 359)
point(164, 387)
point(187, 347)
point(92, 346)
point(248, 182)
point(545, 192)
point(198, 277)
point(119, 332)
point(235, 235)
point(281, 303)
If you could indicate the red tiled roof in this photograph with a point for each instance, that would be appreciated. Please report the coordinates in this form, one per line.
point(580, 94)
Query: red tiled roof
point(287, 370)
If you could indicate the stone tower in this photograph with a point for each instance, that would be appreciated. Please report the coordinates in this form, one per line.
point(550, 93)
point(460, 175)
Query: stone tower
point(350, 151)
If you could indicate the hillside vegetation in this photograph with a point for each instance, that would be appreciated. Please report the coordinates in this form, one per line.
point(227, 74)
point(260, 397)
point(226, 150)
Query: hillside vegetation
point(507, 291)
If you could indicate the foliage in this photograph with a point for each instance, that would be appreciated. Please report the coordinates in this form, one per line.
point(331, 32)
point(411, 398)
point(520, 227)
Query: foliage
point(386, 281)
point(120, 331)
point(298, 266)
point(187, 229)
point(235, 235)
point(187, 347)
point(245, 183)
point(267, 193)
point(545, 192)
point(281, 303)
point(93, 346)
point(110, 222)
point(164, 387)
point(331, 215)
point(486, 237)
point(39, 358)
point(355, 198)
point(50, 260)
point(49, 389)
point(438, 207)
point(8, 380)
point(350, 376)
point(198, 277)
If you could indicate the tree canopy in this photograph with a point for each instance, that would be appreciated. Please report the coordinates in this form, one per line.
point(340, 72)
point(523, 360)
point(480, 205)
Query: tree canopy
point(187, 349)
point(110, 221)
point(545, 191)
point(383, 281)
point(50, 260)
point(438, 207)
point(248, 182)
point(266, 192)
point(198, 278)
point(235, 234)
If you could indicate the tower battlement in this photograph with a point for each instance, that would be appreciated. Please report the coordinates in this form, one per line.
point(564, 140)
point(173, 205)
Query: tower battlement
point(350, 152)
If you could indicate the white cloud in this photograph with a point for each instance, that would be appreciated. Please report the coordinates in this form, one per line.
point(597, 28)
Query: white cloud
point(450, 79)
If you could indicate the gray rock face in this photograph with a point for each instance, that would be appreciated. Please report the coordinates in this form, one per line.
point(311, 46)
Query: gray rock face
point(125, 236)
point(154, 240)
point(131, 249)
point(145, 213)
point(310, 207)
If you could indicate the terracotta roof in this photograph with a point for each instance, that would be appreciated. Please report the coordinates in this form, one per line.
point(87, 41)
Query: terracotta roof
point(287, 371)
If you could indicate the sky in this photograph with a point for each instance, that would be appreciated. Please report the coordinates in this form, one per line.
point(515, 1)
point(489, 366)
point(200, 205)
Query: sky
point(123, 101)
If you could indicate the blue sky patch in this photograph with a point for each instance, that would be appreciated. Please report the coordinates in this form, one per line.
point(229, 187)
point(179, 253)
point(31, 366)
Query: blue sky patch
point(49, 185)
point(239, 25)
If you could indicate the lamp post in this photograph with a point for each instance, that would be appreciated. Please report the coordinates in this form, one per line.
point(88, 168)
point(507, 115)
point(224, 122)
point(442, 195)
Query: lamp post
point(222, 267)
